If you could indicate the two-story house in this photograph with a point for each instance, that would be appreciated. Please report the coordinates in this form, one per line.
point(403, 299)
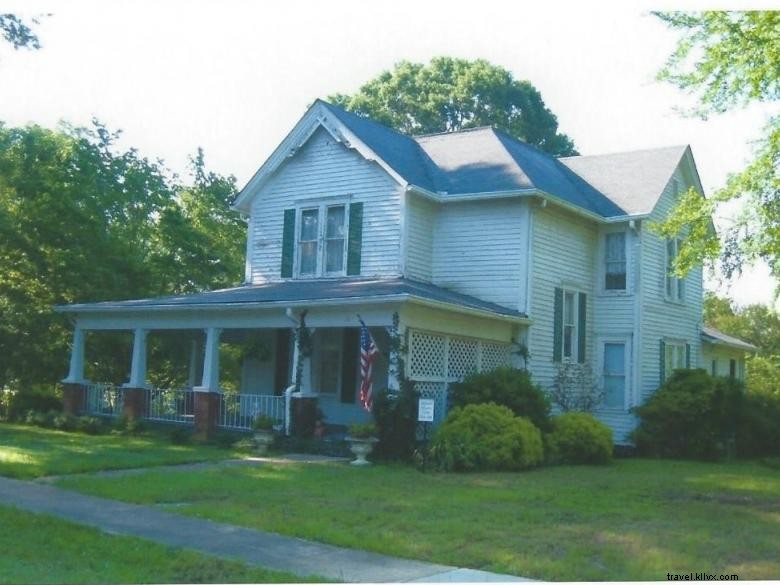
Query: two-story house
point(480, 243)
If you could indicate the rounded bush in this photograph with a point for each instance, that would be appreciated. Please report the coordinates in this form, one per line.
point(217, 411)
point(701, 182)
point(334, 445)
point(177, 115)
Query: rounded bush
point(577, 437)
point(508, 387)
point(483, 437)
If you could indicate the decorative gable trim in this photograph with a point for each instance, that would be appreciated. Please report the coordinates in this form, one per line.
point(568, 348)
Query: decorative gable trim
point(317, 116)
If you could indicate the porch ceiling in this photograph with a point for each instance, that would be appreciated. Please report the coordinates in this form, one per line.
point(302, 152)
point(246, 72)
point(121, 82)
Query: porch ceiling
point(306, 292)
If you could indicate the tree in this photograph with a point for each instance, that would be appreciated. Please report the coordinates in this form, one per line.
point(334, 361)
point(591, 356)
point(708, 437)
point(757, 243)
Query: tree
point(730, 60)
point(18, 33)
point(83, 220)
point(452, 94)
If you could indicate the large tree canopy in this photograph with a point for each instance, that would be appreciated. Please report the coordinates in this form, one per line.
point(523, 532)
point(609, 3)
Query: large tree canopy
point(729, 60)
point(83, 220)
point(451, 94)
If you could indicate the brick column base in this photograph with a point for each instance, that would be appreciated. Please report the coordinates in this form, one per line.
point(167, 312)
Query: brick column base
point(206, 413)
point(133, 406)
point(74, 398)
point(304, 416)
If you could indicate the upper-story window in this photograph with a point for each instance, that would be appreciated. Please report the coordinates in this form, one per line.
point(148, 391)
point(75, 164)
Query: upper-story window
point(675, 287)
point(569, 325)
point(615, 265)
point(322, 240)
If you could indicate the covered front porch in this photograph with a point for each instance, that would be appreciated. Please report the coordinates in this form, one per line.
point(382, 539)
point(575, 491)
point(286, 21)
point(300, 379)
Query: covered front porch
point(246, 352)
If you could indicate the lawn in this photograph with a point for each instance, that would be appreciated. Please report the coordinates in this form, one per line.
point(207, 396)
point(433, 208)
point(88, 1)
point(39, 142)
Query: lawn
point(40, 549)
point(632, 520)
point(28, 452)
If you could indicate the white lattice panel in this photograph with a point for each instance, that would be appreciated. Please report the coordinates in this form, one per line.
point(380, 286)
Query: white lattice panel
point(438, 392)
point(427, 356)
point(461, 358)
point(494, 355)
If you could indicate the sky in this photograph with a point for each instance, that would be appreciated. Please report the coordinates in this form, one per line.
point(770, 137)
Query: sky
point(233, 77)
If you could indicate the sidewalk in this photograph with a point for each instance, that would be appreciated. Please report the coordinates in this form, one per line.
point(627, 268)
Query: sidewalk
point(265, 549)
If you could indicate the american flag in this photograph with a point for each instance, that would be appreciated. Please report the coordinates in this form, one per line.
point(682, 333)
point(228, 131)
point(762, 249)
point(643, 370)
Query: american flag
point(368, 354)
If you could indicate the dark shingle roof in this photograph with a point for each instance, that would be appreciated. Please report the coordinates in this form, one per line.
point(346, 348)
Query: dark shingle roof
point(484, 160)
point(301, 291)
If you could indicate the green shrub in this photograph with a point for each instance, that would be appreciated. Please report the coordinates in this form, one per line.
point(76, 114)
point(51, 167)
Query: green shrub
point(64, 422)
point(577, 437)
point(41, 399)
point(508, 387)
point(263, 423)
point(181, 436)
point(396, 423)
point(362, 431)
point(763, 375)
point(692, 415)
point(758, 429)
point(89, 425)
point(482, 437)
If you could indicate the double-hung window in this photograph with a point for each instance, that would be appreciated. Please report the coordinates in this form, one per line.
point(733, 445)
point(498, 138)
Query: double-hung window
point(674, 358)
point(322, 240)
point(675, 287)
point(615, 261)
point(614, 374)
point(569, 325)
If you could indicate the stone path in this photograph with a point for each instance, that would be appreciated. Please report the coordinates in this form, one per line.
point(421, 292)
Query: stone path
point(265, 549)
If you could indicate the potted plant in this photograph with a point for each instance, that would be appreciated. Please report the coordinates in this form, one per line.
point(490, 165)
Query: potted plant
point(264, 433)
point(361, 439)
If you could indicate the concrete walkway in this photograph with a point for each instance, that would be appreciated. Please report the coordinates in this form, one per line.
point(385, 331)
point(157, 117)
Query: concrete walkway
point(265, 549)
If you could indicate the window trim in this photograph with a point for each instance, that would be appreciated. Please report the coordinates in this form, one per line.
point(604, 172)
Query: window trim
point(625, 341)
point(678, 288)
point(322, 218)
point(575, 292)
point(673, 343)
point(603, 263)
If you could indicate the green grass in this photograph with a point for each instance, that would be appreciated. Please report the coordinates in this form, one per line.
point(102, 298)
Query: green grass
point(632, 520)
point(28, 452)
point(40, 549)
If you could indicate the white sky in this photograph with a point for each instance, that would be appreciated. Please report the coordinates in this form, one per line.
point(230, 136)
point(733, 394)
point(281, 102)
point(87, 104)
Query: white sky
point(233, 77)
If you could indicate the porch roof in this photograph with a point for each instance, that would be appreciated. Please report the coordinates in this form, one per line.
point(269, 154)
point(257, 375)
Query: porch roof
point(715, 337)
point(303, 292)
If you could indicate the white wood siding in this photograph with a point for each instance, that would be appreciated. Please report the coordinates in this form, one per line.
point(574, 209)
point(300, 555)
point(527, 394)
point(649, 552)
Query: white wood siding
point(481, 250)
point(564, 255)
point(421, 225)
point(324, 169)
point(663, 319)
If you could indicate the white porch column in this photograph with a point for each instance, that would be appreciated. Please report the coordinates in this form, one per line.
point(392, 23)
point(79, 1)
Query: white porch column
point(393, 374)
point(138, 366)
point(76, 372)
point(210, 382)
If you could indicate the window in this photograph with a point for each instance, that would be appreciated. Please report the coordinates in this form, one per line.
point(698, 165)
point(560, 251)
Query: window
point(732, 369)
point(675, 287)
point(715, 367)
point(674, 358)
point(614, 375)
point(322, 240)
point(615, 261)
point(569, 325)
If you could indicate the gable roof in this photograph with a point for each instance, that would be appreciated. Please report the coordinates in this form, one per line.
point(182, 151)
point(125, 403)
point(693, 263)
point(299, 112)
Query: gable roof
point(716, 337)
point(632, 180)
point(481, 161)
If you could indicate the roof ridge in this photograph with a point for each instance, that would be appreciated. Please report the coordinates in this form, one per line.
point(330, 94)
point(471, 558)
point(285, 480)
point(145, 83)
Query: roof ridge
point(449, 132)
point(616, 152)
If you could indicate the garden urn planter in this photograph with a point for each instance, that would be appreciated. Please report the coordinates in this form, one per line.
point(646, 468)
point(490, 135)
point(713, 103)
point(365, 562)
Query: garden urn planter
point(263, 440)
point(361, 447)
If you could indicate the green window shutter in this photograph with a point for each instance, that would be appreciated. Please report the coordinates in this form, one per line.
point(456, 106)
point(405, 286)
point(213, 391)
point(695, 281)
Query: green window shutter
point(662, 362)
point(355, 241)
point(349, 360)
point(288, 243)
point(687, 356)
point(558, 326)
point(581, 328)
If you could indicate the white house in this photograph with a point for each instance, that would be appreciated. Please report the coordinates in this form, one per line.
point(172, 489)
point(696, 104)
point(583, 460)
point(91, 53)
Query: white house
point(479, 242)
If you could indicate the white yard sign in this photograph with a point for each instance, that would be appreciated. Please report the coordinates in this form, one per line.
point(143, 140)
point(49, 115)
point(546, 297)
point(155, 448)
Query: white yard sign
point(425, 410)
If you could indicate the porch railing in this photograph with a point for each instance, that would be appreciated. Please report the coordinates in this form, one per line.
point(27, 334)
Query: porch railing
point(238, 411)
point(103, 400)
point(170, 405)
